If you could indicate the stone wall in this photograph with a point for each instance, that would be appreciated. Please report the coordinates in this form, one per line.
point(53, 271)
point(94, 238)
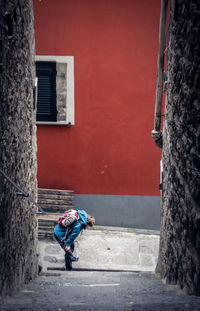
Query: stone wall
point(18, 224)
point(61, 91)
point(179, 261)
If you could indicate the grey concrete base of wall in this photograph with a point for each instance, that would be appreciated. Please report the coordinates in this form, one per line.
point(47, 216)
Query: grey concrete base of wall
point(141, 212)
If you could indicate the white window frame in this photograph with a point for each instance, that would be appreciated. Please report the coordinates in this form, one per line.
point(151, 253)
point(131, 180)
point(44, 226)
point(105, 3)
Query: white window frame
point(70, 108)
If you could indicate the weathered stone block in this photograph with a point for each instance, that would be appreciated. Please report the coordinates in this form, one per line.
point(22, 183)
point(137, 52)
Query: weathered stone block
point(18, 225)
point(179, 259)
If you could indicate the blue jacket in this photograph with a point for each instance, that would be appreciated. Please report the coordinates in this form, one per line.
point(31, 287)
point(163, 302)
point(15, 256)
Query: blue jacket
point(76, 228)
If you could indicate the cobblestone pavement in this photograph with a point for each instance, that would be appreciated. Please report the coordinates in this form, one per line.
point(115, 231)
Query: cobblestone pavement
point(81, 290)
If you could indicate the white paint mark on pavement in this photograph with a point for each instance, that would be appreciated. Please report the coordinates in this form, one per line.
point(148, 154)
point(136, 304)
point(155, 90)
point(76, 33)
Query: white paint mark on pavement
point(77, 303)
point(101, 285)
point(91, 285)
point(67, 284)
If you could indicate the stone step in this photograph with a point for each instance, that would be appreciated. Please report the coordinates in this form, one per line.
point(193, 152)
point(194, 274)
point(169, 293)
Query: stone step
point(54, 208)
point(55, 192)
point(54, 202)
point(45, 234)
point(48, 217)
point(52, 196)
point(46, 223)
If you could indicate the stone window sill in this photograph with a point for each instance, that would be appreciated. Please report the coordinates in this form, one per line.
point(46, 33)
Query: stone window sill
point(53, 123)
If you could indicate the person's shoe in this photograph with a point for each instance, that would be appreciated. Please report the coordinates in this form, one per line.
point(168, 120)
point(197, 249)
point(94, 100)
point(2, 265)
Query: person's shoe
point(75, 258)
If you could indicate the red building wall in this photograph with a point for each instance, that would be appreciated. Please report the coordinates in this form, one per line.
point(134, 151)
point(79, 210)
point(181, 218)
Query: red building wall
point(109, 150)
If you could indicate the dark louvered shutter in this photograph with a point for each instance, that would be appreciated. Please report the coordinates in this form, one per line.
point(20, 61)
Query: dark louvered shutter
point(46, 100)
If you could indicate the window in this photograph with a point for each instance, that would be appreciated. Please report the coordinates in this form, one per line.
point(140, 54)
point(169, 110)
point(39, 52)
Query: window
point(55, 98)
point(46, 96)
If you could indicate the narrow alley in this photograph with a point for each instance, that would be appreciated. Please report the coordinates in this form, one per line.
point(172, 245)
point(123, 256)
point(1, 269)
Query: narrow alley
point(87, 89)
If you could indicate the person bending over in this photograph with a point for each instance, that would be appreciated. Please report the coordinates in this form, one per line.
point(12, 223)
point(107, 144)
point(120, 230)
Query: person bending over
point(65, 236)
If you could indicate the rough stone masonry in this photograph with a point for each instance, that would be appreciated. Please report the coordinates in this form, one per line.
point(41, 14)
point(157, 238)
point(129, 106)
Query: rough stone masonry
point(179, 261)
point(18, 225)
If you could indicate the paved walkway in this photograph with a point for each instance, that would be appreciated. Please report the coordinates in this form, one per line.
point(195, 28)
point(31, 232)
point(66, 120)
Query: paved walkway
point(99, 291)
point(106, 248)
point(125, 251)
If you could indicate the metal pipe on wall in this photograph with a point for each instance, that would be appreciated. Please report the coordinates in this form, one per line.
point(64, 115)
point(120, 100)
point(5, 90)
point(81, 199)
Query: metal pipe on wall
point(157, 133)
